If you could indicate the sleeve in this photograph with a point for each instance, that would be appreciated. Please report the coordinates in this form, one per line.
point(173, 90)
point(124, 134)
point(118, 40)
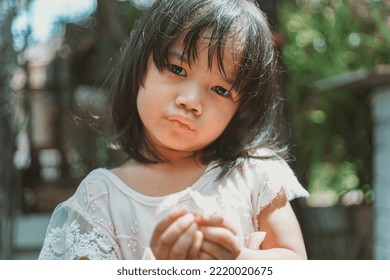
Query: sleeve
point(77, 230)
point(270, 177)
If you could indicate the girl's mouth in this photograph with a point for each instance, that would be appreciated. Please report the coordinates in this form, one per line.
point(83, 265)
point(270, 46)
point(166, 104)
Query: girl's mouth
point(182, 122)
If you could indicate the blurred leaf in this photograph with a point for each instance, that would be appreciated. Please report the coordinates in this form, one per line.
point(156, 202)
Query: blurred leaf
point(332, 130)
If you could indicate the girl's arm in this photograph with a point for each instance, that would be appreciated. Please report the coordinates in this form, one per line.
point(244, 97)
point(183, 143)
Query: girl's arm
point(283, 238)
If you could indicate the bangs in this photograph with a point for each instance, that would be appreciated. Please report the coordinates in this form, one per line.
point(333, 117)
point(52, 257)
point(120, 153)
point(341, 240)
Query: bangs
point(218, 24)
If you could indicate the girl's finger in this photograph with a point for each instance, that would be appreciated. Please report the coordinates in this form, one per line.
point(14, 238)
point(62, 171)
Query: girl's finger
point(222, 237)
point(182, 246)
point(167, 239)
point(216, 221)
point(165, 223)
point(216, 251)
point(196, 245)
point(173, 232)
point(205, 256)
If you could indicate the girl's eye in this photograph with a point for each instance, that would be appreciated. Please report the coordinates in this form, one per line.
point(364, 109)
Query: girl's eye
point(177, 70)
point(221, 91)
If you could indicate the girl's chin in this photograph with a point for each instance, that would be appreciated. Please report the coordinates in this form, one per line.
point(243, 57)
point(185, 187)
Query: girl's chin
point(170, 147)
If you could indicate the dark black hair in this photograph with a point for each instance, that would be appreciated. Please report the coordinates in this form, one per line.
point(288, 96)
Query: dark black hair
point(256, 79)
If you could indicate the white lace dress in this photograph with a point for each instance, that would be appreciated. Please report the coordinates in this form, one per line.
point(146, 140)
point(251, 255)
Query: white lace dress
point(106, 219)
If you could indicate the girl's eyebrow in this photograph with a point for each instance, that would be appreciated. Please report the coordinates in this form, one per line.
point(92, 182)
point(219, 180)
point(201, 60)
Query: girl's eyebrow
point(229, 79)
point(177, 54)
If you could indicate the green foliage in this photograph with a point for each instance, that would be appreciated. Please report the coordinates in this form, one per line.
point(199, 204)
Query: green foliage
point(332, 129)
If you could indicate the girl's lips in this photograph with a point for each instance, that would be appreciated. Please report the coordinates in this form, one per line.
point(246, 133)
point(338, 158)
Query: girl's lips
point(182, 121)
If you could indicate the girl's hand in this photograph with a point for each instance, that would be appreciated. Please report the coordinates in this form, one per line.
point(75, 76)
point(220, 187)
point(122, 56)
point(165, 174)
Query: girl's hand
point(220, 239)
point(177, 236)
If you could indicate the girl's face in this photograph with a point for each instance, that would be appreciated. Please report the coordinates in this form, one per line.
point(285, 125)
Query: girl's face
point(183, 108)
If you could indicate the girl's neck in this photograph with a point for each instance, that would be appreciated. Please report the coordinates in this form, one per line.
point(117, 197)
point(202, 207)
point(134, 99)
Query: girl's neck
point(178, 157)
point(160, 179)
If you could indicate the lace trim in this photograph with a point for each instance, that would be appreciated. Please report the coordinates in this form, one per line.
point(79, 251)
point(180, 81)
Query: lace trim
point(69, 243)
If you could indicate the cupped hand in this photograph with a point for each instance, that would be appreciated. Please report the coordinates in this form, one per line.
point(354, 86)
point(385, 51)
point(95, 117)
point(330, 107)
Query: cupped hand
point(177, 236)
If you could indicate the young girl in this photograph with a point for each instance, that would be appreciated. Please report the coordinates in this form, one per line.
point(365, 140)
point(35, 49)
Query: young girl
point(191, 107)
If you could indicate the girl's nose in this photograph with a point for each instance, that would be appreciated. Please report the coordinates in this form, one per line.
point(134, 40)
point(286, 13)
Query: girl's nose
point(190, 100)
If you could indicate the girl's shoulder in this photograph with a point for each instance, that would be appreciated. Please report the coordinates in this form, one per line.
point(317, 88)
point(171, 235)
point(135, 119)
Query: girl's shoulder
point(98, 183)
point(269, 172)
point(99, 178)
point(265, 160)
